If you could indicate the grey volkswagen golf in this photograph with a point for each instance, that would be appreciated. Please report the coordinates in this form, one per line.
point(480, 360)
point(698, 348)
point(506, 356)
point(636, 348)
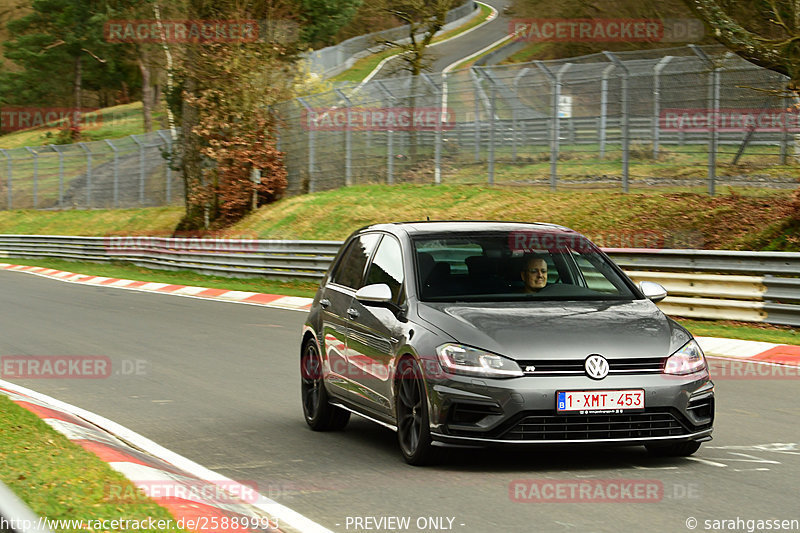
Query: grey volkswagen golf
point(498, 333)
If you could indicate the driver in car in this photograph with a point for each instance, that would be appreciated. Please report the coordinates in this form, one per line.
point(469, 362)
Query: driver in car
point(534, 274)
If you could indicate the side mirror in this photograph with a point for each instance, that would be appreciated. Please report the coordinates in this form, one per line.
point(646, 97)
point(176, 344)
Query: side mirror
point(375, 294)
point(652, 291)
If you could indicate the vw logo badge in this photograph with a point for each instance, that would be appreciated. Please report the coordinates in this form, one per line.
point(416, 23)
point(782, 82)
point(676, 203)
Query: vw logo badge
point(596, 366)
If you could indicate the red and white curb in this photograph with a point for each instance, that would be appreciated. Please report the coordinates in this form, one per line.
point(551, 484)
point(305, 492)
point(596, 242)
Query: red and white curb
point(193, 494)
point(762, 352)
point(279, 301)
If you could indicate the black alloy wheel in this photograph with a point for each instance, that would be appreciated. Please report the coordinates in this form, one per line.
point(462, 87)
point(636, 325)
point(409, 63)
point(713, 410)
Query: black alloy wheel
point(320, 415)
point(413, 430)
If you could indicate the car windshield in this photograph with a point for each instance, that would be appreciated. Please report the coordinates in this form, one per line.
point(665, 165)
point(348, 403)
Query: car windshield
point(514, 265)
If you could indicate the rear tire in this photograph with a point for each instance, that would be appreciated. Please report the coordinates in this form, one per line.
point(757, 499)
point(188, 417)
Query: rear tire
point(320, 415)
point(411, 403)
point(675, 449)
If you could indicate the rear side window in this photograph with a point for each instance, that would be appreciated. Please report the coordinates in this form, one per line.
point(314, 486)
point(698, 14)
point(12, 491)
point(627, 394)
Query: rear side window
point(350, 270)
point(387, 267)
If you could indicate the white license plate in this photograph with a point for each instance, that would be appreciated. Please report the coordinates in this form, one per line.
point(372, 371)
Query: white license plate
point(600, 401)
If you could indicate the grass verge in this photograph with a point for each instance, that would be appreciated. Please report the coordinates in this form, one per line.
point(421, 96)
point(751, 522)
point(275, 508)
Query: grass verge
point(96, 222)
point(107, 123)
point(58, 479)
point(729, 220)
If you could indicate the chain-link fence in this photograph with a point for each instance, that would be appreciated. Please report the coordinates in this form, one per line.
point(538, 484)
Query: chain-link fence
point(687, 116)
point(696, 117)
point(128, 172)
point(334, 59)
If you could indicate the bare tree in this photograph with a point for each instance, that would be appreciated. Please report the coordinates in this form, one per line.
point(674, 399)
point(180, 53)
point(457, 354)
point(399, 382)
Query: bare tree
point(424, 20)
point(765, 32)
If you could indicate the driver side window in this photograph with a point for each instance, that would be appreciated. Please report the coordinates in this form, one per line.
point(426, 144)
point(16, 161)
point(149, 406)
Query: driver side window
point(387, 267)
point(350, 269)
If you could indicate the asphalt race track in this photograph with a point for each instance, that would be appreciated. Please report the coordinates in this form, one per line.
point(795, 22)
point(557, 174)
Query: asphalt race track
point(445, 54)
point(219, 383)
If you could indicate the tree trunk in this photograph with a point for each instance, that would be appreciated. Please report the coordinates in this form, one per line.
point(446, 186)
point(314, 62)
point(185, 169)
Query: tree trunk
point(196, 216)
point(78, 82)
point(147, 91)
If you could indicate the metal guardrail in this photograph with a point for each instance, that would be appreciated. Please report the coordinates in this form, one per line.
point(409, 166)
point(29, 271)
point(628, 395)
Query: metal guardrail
point(220, 257)
point(717, 261)
point(717, 284)
point(16, 517)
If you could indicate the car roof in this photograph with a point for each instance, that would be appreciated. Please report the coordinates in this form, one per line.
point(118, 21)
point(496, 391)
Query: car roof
point(452, 226)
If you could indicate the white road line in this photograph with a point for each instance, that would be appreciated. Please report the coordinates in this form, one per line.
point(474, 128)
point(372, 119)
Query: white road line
point(491, 17)
point(283, 513)
point(707, 462)
point(751, 459)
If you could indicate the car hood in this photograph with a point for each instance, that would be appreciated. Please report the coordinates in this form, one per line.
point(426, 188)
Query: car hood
point(559, 330)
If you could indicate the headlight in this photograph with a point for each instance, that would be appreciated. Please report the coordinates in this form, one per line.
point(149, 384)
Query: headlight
point(460, 359)
point(687, 360)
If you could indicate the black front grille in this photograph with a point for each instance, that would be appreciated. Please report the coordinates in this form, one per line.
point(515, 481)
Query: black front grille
point(544, 427)
point(566, 367)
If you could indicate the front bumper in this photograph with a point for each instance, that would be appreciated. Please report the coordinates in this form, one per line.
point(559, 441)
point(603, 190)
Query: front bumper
point(522, 410)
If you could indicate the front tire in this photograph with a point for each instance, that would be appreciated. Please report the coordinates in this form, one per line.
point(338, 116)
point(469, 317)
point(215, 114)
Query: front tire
point(411, 402)
point(320, 415)
point(675, 449)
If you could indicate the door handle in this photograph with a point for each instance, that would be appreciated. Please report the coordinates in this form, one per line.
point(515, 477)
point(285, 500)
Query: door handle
point(324, 303)
point(352, 313)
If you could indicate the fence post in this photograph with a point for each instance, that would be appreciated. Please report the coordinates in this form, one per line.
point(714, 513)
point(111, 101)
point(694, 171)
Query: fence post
point(389, 137)
point(10, 196)
point(168, 172)
point(713, 134)
point(662, 63)
point(555, 89)
point(88, 174)
point(492, 120)
point(60, 174)
point(712, 155)
point(35, 176)
point(476, 84)
point(437, 143)
point(624, 126)
point(116, 173)
point(514, 125)
point(141, 168)
point(787, 104)
point(348, 142)
point(311, 144)
point(604, 109)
